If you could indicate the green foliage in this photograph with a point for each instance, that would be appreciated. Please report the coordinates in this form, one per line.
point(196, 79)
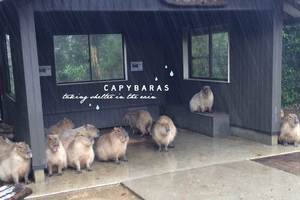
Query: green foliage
point(76, 61)
point(291, 66)
point(200, 56)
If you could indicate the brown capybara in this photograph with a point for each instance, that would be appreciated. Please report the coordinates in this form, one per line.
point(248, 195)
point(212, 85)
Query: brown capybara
point(290, 130)
point(163, 132)
point(87, 130)
point(61, 126)
point(202, 101)
point(139, 121)
point(56, 155)
point(112, 146)
point(80, 152)
point(15, 162)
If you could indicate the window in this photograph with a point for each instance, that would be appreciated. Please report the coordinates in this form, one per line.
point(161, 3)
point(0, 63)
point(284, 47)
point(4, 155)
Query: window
point(208, 55)
point(86, 58)
point(10, 88)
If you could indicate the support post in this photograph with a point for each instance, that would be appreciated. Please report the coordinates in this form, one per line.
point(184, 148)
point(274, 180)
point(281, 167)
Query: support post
point(277, 66)
point(32, 87)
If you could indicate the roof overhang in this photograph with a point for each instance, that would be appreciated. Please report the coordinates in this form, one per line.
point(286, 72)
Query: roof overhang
point(291, 10)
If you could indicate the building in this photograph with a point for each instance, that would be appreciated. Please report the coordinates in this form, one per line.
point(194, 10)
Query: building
point(156, 35)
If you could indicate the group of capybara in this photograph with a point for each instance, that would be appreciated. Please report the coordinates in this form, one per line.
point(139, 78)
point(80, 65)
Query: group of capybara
point(76, 148)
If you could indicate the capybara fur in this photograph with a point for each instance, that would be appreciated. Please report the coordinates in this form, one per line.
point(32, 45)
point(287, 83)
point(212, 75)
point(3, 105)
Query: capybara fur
point(202, 101)
point(15, 162)
point(87, 130)
point(56, 155)
point(112, 146)
point(290, 130)
point(61, 126)
point(163, 132)
point(80, 153)
point(139, 121)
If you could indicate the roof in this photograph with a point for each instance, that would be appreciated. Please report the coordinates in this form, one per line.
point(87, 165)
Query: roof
point(291, 10)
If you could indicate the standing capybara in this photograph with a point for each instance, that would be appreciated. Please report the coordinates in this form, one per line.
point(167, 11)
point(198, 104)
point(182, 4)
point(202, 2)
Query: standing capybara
point(15, 162)
point(61, 126)
point(290, 130)
point(202, 101)
point(87, 130)
point(56, 155)
point(80, 152)
point(163, 132)
point(139, 121)
point(112, 146)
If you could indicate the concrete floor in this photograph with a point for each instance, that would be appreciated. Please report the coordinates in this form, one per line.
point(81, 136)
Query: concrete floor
point(113, 192)
point(195, 157)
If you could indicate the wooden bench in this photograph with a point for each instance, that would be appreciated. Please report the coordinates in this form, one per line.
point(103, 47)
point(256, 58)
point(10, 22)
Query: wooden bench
point(214, 124)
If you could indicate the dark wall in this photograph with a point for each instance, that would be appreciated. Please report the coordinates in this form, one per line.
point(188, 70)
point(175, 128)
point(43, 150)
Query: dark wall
point(156, 39)
point(144, 42)
point(248, 96)
point(15, 109)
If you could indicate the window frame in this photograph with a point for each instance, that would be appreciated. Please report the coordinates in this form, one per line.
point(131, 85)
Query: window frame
point(187, 52)
point(8, 87)
point(91, 81)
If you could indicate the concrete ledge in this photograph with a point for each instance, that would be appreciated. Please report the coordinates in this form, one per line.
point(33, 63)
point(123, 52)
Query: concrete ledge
point(254, 135)
point(39, 175)
point(211, 124)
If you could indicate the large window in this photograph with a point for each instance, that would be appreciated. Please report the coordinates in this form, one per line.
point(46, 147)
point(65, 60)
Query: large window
point(208, 55)
point(10, 86)
point(85, 58)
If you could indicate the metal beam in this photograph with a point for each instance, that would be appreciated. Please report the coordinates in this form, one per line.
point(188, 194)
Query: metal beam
point(32, 83)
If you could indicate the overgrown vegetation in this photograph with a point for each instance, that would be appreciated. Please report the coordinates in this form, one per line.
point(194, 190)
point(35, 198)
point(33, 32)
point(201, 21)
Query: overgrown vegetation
point(291, 66)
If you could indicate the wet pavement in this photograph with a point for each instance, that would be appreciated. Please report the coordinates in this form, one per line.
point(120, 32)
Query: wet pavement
point(193, 154)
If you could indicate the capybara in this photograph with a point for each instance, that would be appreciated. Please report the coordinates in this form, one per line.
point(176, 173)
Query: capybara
point(80, 152)
point(139, 121)
point(163, 132)
point(112, 146)
point(56, 155)
point(61, 126)
point(15, 162)
point(290, 130)
point(202, 101)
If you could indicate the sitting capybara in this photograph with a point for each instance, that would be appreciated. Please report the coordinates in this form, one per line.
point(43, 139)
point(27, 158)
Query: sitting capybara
point(139, 121)
point(112, 146)
point(87, 130)
point(290, 130)
point(15, 162)
point(202, 101)
point(80, 152)
point(56, 155)
point(163, 132)
point(61, 126)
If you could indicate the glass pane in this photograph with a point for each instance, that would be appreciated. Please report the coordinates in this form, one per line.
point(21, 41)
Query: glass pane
point(200, 46)
point(220, 56)
point(71, 58)
point(11, 88)
point(107, 57)
point(200, 68)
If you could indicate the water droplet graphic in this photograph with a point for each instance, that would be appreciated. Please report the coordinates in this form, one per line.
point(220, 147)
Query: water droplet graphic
point(166, 66)
point(97, 107)
point(171, 73)
point(156, 79)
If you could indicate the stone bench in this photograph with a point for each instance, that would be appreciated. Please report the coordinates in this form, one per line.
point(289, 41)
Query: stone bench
point(214, 124)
